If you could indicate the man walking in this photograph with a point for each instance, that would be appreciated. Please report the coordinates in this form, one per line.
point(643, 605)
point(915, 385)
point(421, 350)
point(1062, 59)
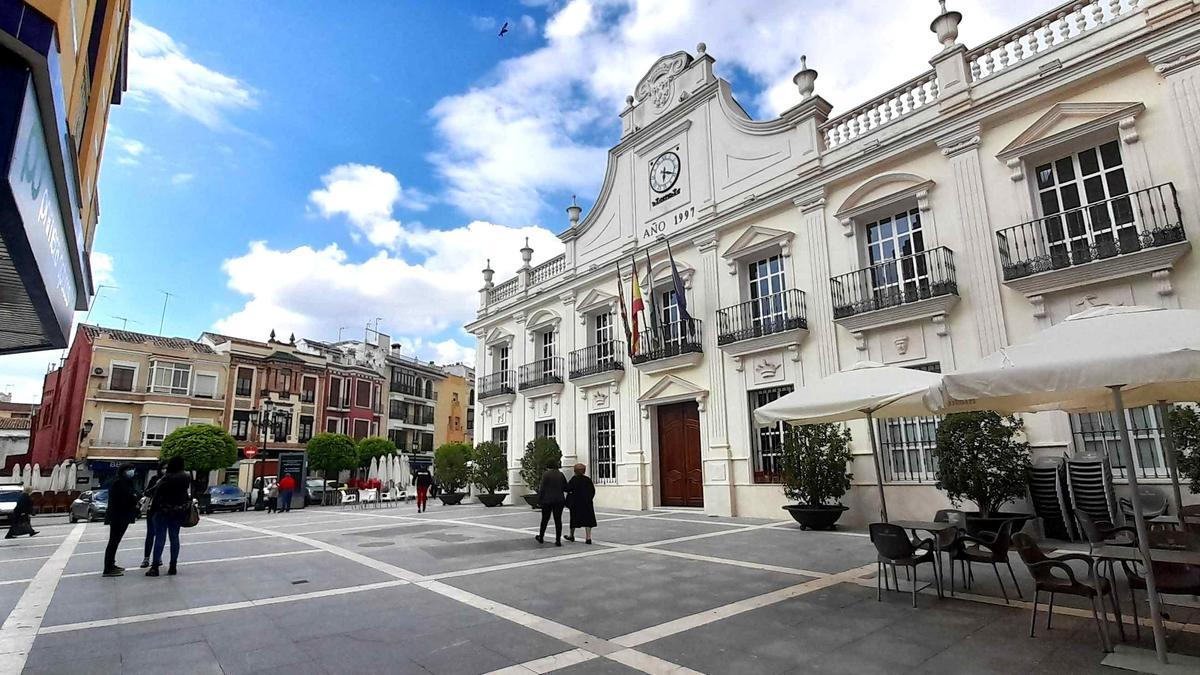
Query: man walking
point(287, 485)
point(122, 511)
point(423, 480)
point(22, 516)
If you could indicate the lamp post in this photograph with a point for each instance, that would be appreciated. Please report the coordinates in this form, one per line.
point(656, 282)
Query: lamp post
point(266, 419)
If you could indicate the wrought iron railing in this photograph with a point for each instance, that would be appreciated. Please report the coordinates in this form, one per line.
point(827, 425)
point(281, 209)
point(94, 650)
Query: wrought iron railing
point(601, 358)
point(670, 339)
point(910, 278)
point(1121, 225)
point(541, 372)
point(770, 314)
point(502, 382)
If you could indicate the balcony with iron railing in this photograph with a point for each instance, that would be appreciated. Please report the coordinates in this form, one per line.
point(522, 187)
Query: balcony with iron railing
point(541, 373)
point(602, 362)
point(1134, 233)
point(670, 345)
point(779, 314)
point(502, 383)
point(909, 287)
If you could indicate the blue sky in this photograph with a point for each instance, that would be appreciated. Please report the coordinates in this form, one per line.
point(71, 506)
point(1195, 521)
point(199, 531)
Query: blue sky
point(310, 166)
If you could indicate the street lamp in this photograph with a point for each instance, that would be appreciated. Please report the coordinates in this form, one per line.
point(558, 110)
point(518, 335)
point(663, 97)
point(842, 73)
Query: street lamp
point(87, 429)
point(266, 420)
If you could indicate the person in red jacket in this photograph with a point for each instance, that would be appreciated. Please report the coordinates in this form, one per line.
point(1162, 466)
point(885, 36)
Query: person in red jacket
point(287, 485)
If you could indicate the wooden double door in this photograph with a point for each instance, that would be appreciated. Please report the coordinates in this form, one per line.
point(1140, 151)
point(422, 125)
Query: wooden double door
point(680, 471)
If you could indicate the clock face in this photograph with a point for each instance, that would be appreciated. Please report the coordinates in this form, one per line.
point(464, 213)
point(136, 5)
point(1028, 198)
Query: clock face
point(664, 171)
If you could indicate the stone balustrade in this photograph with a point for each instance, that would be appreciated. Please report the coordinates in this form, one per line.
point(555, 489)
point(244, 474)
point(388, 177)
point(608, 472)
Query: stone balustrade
point(899, 102)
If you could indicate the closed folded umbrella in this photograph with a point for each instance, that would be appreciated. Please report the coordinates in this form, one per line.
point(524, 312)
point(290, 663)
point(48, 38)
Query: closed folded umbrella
point(865, 391)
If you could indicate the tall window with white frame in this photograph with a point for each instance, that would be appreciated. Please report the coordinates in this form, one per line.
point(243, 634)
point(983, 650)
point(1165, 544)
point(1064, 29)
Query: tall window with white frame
point(602, 335)
point(500, 437)
point(602, 442)
point(767, 442)
point(545, 429)
point(907, 444)
point(167, 377)
point(897, 273)
point(548, 338)
point(1093, 178)
point(767, 284)
point(1097, 433)
point(503, 364)
point(672, 332)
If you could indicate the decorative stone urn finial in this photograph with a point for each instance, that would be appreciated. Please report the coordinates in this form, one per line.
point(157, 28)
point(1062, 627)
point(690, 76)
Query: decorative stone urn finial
point(488, 273)
point(272, 338)
point(292, 339)
point(573, 212)
point(526, 254)
point(806, 79)
point(701, 48)
point(629, 101)
point(945, 26)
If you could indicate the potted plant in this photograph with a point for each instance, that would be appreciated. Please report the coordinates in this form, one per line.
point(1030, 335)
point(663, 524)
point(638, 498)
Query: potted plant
point(540, 453)
point(814, 473)
point(1185, 432)
point(450, 470)
point(981, 459)
point(489, 473)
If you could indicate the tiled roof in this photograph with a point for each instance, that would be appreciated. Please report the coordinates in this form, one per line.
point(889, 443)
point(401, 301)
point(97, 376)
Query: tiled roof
point(9, 423)
point(182, 344)
point(17, 407)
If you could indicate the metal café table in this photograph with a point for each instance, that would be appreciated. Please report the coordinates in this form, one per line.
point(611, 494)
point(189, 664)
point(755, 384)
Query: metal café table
point(934, 528)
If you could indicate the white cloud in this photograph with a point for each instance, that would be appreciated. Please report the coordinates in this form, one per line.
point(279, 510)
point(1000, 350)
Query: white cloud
point(484, 23)
point(366, 196)
point(528, 24)
point(182, 178)
point(542, 122)
point(102, 268)
point(159, 67)
point(133, 147)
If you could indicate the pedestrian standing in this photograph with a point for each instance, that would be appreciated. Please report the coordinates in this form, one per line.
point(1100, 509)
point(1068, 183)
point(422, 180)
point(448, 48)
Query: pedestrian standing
point(287, 485)
point(148, 497)
point(423, 480)
point(552, 497)
point(272, 496)
point(22, 516)
point(171, 503)
point(580, 494)
point(122, 511)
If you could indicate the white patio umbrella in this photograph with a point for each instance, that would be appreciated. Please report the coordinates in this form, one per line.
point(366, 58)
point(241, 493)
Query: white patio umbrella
point(27, 477)
point(35, 480)
point(405, 471)
point(17, 477)
point(867, 390)
point(56, 476)
point(385, 469)
point(72, 476)
point(1104, 358)
point(373, 472)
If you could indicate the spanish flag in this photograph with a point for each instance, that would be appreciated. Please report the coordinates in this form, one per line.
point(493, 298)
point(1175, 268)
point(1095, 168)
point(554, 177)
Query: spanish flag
point(638, 307)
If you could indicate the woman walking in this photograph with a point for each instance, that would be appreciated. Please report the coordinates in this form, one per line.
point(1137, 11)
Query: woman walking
point(272, 496)
point(552, 497)
point(22, 514)
point(170, 506)
point(580, 493)
point(122, 512)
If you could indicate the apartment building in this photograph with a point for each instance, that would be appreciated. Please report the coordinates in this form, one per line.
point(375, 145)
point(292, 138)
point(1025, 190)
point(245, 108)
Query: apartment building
point(354, 386)
point(1015, 182)
point(454, 414)
point(413, 391)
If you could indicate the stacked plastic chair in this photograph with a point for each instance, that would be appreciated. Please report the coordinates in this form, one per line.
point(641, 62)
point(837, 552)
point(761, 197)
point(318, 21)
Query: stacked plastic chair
point(1048, 492)
point(1089, 476)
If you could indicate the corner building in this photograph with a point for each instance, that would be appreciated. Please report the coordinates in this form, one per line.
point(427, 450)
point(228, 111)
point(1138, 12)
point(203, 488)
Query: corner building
point(1012, 184)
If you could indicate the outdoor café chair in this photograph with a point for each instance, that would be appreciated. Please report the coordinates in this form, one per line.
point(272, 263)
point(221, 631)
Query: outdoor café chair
point(950, 541)
point(1169, 578)
point(895, 548)
point(1043, 569)
point(991, 551)
point(349, 497)
point(1154, 503)
point(1104, 535)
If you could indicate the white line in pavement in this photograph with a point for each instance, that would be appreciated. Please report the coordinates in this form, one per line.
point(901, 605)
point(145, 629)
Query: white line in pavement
point(182, 563)
point(21, 627)
point(244, 604)
point(548, 663)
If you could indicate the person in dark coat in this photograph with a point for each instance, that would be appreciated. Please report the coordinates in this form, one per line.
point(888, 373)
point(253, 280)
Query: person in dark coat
point(170, 505)
point(552, 496)
point(580, 493)
point(121, 513)
point(148, 547)
point(22, 516)
point(423, 480)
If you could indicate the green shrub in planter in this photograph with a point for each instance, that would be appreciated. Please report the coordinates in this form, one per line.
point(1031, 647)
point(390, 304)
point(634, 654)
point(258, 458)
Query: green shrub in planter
point(540, 454)
point(980, 459)
point(814, 463)
point(1185, 432)
point(450, 466)
point(489, 473)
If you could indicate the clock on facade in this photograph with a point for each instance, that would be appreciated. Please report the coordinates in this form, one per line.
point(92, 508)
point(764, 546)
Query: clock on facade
point(664, 171)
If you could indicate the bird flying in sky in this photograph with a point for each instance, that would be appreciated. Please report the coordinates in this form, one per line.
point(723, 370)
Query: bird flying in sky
point(504, 29)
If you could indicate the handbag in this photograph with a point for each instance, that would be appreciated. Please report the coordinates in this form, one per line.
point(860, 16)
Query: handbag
point(192, 518)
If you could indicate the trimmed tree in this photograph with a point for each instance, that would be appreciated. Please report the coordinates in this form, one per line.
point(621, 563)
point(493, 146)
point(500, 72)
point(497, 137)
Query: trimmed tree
point(489, 473)
point(980, 459)
point(540, 453)
point(331, 452)
point(374, 447)
point(814, 463)
point(1185, 432)
point(203, 447)
point(450, 466)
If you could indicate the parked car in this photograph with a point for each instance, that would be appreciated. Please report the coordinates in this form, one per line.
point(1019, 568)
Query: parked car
point(90, 505)
point(314, 490)
point(225, 498)
point(8, 502)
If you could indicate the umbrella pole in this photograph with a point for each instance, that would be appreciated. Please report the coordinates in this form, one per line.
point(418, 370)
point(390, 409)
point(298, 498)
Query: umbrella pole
point(878, 467)
point(1160, 642)
point(1169, 452)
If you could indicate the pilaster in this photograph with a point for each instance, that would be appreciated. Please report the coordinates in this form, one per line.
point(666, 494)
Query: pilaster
point(718, 427)
point(1178, 65)
point(822, 329)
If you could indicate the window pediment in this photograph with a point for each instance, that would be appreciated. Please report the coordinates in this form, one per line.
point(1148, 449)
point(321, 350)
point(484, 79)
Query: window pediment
point(880, 192)
point(672, 389)
point(754, 241)
point(497, 337)
point(660, 272)
point(543, 320)
point(593, 302)
point(1064, 122)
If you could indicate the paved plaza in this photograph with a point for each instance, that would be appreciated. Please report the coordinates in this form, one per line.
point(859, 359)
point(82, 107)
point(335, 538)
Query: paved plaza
point(466, 590)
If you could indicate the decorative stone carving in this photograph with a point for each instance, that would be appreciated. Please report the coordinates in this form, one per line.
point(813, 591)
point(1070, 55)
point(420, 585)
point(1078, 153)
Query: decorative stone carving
point(1163, 277)
point(600, 399)
point(768, 368)
point(860, 340)
point(901, 344)
point(1128, 130)
point(658, 84)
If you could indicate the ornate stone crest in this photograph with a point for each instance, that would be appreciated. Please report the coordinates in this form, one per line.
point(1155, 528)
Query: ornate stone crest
point(658, 84)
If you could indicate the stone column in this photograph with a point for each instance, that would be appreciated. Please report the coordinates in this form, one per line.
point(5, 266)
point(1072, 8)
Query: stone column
point(975, 266)
point(821, 328)
point(718, 465)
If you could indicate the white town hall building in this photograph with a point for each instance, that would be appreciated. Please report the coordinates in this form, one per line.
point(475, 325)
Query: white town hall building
point(1015, 182)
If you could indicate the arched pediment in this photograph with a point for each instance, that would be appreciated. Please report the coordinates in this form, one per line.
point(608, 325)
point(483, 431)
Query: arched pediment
point(543, 319)
point(879, 190)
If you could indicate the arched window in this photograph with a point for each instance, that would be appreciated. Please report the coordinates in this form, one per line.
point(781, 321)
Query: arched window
point(429, 389)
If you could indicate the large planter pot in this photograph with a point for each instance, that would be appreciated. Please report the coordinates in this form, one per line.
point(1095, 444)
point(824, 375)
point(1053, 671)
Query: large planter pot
point(977, 523)
point(532, 500)
point(491, 499)
point(816, 517)
point(452, 498)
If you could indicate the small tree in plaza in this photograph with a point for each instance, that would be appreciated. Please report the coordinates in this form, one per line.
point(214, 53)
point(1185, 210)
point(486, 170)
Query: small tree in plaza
point(450, 466)
point(489, 473)
point(331, 453)
point(203, 447)
point(980, 459)
point(374, 447)
point(814, 463)
point(1185, 432)
point(540, 453)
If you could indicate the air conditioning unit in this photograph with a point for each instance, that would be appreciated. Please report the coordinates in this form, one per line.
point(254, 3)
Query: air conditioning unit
point(98, 371)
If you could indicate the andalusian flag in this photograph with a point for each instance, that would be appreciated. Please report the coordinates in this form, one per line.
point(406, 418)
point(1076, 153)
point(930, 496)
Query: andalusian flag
point(638, 307)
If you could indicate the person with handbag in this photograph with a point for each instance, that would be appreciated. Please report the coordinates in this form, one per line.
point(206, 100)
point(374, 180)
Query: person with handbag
point(22, 516)
point(580, 494)
point(272, 496)
point(170, 507)
point(552, 496)
point(148, 497)
point(121, 513)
